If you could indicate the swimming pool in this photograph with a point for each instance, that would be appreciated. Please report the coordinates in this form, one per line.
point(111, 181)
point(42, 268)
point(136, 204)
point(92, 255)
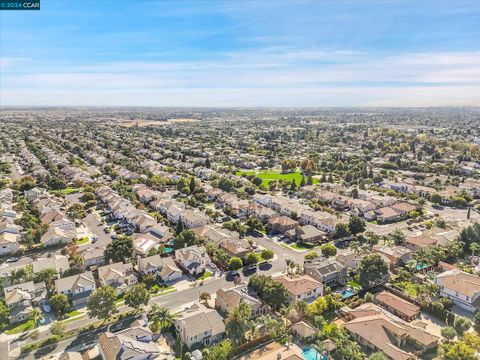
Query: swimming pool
point(310, 353)
point(347, 293)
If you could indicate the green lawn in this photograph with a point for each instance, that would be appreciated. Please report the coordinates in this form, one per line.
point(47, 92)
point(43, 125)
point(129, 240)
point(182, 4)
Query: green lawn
point(67, 191)
point(204, 276)
point(19, 328)
point(299, 246)
point(82, 241)
point(73, 313)
point(269, 175)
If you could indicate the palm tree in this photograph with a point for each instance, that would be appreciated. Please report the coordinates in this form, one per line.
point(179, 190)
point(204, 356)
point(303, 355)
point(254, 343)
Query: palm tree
point(18, 275)
point(354, 245)
point(47, 275)
point(205, 297)
point(37, 315)
point(160, 318)
point(237, 322)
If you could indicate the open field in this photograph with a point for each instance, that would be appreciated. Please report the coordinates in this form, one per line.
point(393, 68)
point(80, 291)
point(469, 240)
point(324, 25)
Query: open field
point(269, 175)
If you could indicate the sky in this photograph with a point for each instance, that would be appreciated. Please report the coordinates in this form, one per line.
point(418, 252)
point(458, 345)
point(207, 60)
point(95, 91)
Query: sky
point(241, 53)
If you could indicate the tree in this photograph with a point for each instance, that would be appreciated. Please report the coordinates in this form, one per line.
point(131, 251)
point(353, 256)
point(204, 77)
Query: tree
point(36, 315)
point(119, 250)
point(160, 318)
point(377, 356)
point(457, 351)
point(310, 255)
point(192, 185)
point(235, 263)
point(356, 225)
point(251, 258)
point(185, 238)
point(47, 275)
point(373, 269)
point(205, 297)
point(59, 304)
point(57, 328)
point(398, 237)
point(468, 213)
point(342, 231)
point(222, 351)
point(76, 211)
point(269, 290)
point(101, 303)
point(4, 313)
point(328, 250)
point(476, 322)
point(267, 254)
point(136, 296)
point(448, 333)
point(461, 324)
point(236, 323)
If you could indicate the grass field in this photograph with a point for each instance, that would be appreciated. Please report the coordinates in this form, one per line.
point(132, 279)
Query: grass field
point(268, 176)
point(67, 191)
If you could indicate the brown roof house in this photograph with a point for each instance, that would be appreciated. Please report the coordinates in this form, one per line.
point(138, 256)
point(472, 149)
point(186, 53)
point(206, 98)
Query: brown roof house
point(226, 300)
point(275, 351)
point(306, 234)
point(378, 330)
point(199, 325)
point(301, 287)
point(460, 287)
point(397, 306)
point(281, 224)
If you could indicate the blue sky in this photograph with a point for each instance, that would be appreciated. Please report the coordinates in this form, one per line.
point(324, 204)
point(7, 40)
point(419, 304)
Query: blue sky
point(241, 53)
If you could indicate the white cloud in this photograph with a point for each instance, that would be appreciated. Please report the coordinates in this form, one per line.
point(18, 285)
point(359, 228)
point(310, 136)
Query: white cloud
point(268, 77)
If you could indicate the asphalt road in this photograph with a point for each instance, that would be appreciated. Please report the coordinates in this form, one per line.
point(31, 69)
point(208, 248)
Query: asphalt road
point(15, 175)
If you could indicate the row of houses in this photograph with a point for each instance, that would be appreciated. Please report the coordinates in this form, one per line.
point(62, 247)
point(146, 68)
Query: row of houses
point(9, 231)
point(123, 209)
point(61, 230)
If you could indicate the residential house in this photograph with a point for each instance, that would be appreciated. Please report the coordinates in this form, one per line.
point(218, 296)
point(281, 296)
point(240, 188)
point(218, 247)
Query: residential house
point(275, 351)
point(378, 330)
point(193, 219)
point(56, 236)
point(398, 306)
point(199, 325)
point(281, 224)
point(351, 260)
point(134, 343)
point(8, 243)
point(93, 257)
point(119, 276)
point(21, 298)
point(226, 300)
point(77, 287)
point(301, 287)
point(58, 262)
point(327, 271)
point(460, 287)
point(164, 268)
point(306, 234)
point(193, 259)
point(395, 255)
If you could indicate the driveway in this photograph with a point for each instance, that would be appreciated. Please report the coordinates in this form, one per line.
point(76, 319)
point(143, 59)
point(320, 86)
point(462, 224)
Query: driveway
point(96, 227)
